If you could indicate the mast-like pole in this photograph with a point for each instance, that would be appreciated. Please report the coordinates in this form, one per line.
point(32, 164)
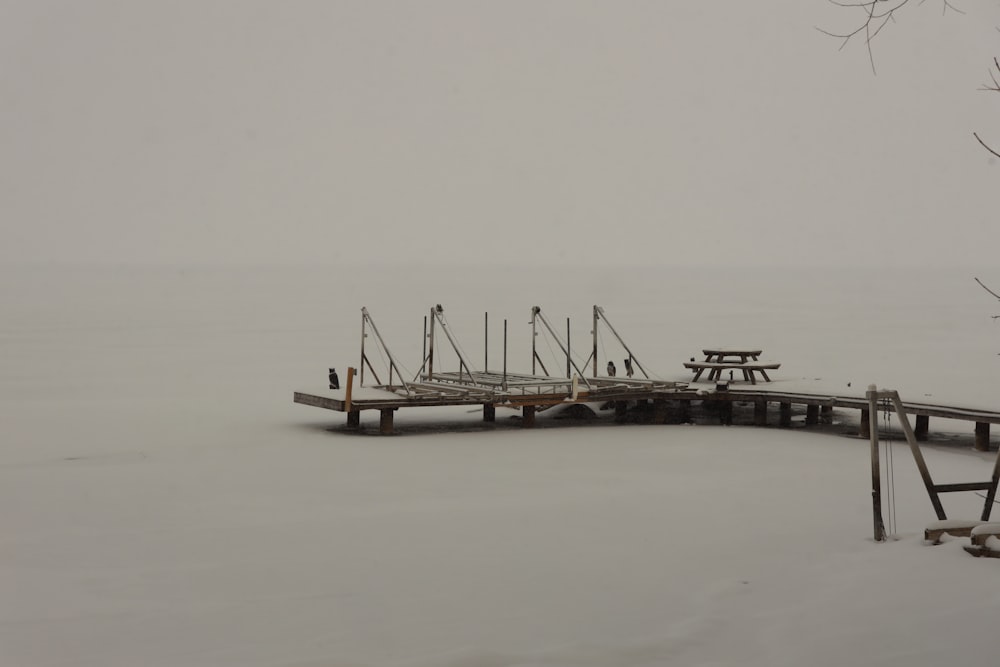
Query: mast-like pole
point(364, 319)
point(568, 374)
point(505, 355)
point(534, 335)
point(430, 351)
point(594, 332)
point(631, 356)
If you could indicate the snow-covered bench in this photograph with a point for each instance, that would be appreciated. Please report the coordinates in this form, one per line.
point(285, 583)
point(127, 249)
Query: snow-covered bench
point(954, 527)
point(715, 369)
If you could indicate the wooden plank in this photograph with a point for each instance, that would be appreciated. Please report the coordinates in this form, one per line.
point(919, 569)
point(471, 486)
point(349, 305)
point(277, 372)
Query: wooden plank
point(962, 486)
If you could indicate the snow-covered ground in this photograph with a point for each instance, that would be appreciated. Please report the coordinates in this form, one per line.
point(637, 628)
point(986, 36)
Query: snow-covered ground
point(164, 502)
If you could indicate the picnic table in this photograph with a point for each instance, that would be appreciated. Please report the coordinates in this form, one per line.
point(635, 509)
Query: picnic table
point(746, 361)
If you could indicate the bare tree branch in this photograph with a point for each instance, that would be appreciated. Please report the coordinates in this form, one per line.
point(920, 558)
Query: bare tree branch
point(987, 288)
point(985, 145)
point(877, 14)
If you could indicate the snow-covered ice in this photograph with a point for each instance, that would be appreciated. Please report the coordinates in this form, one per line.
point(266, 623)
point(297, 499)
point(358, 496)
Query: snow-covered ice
point(164, 502)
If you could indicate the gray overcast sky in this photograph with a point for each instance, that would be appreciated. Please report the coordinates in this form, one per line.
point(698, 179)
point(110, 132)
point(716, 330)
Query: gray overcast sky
point(509, 132)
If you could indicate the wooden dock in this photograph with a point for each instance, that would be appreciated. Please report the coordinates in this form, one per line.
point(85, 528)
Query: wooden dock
point(531, 393)
point(581, 383)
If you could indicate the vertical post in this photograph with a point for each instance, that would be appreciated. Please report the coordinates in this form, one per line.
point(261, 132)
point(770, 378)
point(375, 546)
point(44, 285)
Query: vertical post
point(685, 411)
point(726, 412)
point(534, 355)
point(486, 342)
point(812, 415)
point(594, 332)
point(430, 350)
point(349, 391)
point(489, 412)
point(385, 421)
point(364, 334)
point(568, 372)
point(354, 418)
point(760, 412)
point(785, 413)
point(878, 522)
point(423, 359)
point(826, 414)
point(921, 427)
point(505, 355)
point(982, 443)
point(528, 416)
point(865, 425)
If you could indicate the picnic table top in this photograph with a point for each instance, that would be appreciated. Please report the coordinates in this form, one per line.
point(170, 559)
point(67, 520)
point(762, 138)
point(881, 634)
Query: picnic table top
point(731, 350)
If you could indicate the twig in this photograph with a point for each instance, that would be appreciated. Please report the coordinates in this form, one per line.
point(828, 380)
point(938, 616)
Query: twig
point(984, 145)
point(987, 288)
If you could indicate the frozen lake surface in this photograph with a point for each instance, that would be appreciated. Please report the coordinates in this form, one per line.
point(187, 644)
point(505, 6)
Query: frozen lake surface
point(165, 503)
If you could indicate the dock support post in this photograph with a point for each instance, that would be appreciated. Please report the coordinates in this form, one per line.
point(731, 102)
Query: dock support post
point(786, 414)
point(621, 407)
point(826, 414)
point(659, 411)
point(865, 427)
point(685, 411)
point(812, 415)
point(489, 412)
point(385, 421)
point(982, 437)
point(760, 412)
point(921, 427)
point(528, 416)
point(726, 413)
point(354, 418)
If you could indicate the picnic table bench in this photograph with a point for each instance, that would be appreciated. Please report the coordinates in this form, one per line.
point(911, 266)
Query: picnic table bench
point(715, 368)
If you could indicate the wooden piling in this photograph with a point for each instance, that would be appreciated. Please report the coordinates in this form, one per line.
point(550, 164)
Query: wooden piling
point(684, 407)
point(865, 427)
point(760, 412)
point(659, 411)
point(812, 415)
point(785, 414)
point(982, 443)
point(921, 427)
point(489, 412)
point(349, 390)
point(354, 418)
point(385, 421)
point(528, 416)
point(826, 414)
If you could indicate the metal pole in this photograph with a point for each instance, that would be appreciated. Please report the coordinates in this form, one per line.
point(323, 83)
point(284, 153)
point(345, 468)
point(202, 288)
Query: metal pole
point(594, 332)
point(361, 365)
point(430, 352)
point(486, 341)
point(424, 357)
point(568, 374)
point(878, 523)
point(534, 355)
point(505, 355)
